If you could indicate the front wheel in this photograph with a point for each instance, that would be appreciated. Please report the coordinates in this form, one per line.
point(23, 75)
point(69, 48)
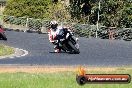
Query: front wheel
point(74, 49)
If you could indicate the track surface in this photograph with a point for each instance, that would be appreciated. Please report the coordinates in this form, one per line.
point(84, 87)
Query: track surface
point(94, 52)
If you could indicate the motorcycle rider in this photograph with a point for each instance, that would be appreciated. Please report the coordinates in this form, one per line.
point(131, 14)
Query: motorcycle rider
point(52, 32)
point(54, 38)
point(2, 33)
point(1, 28)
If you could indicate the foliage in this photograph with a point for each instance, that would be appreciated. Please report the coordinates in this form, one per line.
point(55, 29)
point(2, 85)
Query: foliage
point(15, 20)
point(5, 50)
point(28, 8)
point(116, 13)
point(58, 11)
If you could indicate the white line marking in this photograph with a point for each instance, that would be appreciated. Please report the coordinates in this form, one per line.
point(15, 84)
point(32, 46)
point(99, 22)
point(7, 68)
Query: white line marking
point(25, 52)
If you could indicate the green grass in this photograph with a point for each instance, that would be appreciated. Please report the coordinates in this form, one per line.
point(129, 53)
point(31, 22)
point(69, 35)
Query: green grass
point(5, 50)
point(54, 80)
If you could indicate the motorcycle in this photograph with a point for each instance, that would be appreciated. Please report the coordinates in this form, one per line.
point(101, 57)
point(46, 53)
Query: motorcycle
point(2, 34)
point(68, 42)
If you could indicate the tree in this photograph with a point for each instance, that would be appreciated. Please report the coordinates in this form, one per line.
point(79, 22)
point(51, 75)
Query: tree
point(28, 8)
point(116, 13)
point(79, 7)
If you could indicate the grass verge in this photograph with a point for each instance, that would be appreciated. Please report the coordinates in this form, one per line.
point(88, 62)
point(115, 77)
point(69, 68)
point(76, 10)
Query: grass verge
point(5, 50)
point(65, 79)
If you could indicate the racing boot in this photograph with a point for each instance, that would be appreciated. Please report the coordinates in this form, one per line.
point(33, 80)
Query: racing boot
point(57, 50)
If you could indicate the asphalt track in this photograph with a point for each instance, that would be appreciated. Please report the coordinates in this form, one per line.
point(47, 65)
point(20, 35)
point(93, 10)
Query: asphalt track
point(94, 52)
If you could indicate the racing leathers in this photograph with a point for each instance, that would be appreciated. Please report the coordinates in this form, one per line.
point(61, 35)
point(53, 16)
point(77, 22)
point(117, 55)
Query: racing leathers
point(54, 38)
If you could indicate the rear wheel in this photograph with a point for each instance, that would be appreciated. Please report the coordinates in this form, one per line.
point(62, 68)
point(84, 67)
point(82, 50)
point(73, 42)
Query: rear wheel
point(3, 36)
point(74, 49)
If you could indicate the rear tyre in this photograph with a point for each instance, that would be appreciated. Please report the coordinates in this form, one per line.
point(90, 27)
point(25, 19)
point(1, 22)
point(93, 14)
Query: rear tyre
point(75, 50)
point(3, 36)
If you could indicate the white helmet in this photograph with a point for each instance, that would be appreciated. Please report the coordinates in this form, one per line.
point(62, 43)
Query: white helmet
point(54, 24)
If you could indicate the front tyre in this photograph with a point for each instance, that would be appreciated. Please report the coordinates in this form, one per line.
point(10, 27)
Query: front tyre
point(74, 49)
